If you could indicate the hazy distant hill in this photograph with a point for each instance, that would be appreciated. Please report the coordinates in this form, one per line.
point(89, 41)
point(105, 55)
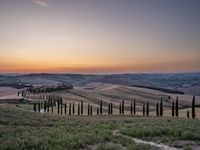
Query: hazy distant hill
point(187, 82)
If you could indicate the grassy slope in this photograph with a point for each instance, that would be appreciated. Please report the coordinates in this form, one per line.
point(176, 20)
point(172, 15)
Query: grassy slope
point(22, 129)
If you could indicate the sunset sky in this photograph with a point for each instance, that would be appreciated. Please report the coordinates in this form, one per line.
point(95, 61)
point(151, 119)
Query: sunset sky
point(99, 36)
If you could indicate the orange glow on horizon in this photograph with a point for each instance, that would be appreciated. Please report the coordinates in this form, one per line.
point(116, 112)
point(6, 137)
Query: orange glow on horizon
point(95, 37)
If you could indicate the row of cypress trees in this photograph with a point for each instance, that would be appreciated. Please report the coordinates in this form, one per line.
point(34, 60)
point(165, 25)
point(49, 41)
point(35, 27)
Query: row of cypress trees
point(51, 103)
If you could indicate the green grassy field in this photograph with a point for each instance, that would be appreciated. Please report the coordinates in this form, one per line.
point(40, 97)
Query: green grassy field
point(20, 128)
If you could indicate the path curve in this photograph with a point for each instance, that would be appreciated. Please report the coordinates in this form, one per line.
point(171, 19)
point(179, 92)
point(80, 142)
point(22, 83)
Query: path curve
point(161, 146)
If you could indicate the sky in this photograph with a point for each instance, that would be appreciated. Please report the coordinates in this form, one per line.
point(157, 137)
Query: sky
point(99, 36)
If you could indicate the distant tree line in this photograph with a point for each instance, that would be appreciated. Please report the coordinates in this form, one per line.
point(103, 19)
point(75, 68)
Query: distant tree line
point(43, 89)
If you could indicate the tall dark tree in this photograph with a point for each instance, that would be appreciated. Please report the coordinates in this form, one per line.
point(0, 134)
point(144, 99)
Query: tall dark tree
point(111, 108)
point(34, 107)
point(161, 108)
point(81, 107)
point(65, 109)
point(78, 108)
point(188, 114)
point(91, 110)
point(134, 107)
point(173, 109)
point(58, 103)
point(73, 108)
point(193, 107)
point(47, 106)
point(61, 108)
point(123, 107)
point(147, 109)
point(100, 107)
point(39, 106)
point(70, 108)
point(131, 111)
point(88, 109)
point(157, 109)
point(120, 108)
point(143, 109)
point(177, 106)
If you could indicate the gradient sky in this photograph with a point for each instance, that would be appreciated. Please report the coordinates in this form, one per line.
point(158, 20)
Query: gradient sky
point(99, 36)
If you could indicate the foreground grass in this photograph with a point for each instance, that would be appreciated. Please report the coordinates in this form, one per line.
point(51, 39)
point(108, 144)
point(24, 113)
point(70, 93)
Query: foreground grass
point(22, 129)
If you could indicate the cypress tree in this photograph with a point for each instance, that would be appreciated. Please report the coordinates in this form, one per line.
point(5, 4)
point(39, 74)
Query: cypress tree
point(88, 109)
point(157, 109)
point(61, 108)
point(65, 109)
point(134, 107)
point(188, 114)
point(58, 102)
point(101, 107)
point(131, 108)
point(78, 108)
point(120, 108)
point(47, 106)
point(161, 108)
point(177, 106)
point(34, 107)
point(70, 107)
point(147, 109)
point(123, 107)
point(81, 107)
point(91, 110)
point(173, 109)
point(193, 107)
point(111, 108)
point(39, 106)
point(143, 109)
point(97, 111)
point(108, 108)
point(73, 108)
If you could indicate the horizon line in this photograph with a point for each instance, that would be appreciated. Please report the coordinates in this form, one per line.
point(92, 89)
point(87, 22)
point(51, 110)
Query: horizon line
point(112, 73)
